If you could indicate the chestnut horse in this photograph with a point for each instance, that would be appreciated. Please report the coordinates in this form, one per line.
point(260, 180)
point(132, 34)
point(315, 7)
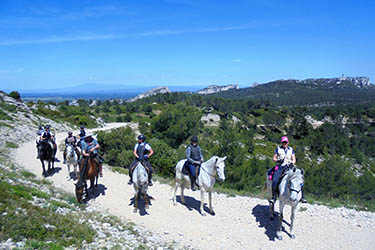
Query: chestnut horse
point(88, 170)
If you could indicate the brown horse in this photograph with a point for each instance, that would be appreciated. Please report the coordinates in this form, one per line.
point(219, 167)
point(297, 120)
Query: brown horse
point(88, 170)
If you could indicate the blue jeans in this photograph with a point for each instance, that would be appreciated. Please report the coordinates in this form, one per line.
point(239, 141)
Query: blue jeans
point(276, 176)
point(191, 169)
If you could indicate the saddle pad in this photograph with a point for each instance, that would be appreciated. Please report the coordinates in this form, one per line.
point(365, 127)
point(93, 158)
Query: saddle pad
point(185, 170)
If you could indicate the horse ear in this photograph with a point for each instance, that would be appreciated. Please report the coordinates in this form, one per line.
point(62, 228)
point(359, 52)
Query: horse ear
point(224, 158)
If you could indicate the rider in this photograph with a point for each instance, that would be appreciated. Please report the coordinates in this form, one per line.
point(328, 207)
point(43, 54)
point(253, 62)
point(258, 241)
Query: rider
point(70, 140)
point(49, 136)
point(90, 145)
point(142, 152)
point(81, 135)
point(39, 134)
point(284, 157)
point(194, 158)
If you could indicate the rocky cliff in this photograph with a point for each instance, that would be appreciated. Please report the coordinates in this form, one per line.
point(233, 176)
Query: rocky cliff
point(360, 82)
point(154, 91)
point(215, 88)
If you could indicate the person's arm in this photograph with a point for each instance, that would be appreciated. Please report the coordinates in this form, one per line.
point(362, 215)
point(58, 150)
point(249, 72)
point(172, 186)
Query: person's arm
point(201, 155)
point(274, 157)
point(188, 153)
point(293, 159)
point(97, 146)
point(151, 152)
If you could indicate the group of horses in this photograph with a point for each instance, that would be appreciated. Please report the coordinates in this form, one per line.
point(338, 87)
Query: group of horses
point(290, 187)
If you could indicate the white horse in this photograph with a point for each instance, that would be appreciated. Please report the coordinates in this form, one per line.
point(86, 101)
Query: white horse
point(71, 159)
point(140, 183)
point(205, 180)
point(290, 193)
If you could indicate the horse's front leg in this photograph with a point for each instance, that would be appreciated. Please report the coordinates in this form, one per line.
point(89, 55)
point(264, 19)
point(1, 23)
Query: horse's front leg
point(202, 203)
point(292, 216)
point(182, 194)
point(281, 217)
point(210, 203)
point(174, 193)
point(135, 202)
point(44, 169)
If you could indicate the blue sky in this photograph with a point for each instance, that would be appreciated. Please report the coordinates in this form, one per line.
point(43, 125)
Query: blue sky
point(54, 44)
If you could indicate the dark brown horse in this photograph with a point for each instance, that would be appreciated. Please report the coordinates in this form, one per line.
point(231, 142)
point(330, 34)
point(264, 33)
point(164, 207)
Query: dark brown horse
point(88, 170)
point(47, 154)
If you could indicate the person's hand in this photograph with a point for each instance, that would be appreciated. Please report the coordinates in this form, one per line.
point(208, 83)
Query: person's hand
point(145, 157)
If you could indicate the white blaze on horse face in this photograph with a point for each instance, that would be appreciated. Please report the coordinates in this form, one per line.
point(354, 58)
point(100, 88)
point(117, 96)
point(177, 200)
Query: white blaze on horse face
point(220, 165)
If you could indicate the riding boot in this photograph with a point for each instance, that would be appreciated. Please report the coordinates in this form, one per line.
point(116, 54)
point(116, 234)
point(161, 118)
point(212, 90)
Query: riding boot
point(150, 179)
point(131, 177)
point(64, 155)
point(192, 179)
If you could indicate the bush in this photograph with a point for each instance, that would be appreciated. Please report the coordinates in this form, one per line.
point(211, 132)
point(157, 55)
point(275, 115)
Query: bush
point(15, 94)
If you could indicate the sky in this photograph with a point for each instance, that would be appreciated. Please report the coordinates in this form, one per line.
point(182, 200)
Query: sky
point(56, 44)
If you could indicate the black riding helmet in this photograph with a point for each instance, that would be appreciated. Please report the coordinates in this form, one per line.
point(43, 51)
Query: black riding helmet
point(141, 137)
point(194, 138)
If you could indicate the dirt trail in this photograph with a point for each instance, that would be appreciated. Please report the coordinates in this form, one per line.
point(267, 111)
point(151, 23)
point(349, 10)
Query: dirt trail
point(239, 223)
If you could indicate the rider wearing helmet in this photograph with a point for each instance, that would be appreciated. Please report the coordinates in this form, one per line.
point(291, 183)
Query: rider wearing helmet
point(194, 158)
point(48, 135)
point(91, 146)
point(142, 152)
point(284, 157)
point(70, 140)
point(81, 135)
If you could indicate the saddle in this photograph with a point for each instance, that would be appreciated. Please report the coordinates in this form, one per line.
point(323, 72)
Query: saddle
point(185, 170)
point(143, 163)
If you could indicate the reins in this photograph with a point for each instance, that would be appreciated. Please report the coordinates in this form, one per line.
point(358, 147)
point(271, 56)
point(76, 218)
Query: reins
point(214, 176)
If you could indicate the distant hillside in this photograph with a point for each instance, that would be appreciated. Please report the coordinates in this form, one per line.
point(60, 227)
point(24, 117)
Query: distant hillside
point(309, 91)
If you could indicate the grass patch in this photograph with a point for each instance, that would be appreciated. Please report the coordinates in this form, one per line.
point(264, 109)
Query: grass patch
point(10, 144)
point(20, 219)
point(27, 174)
point(120, 170)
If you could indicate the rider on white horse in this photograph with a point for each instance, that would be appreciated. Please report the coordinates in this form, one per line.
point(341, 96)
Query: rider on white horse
point(142, 152)
point(70, 140)
point(194, 158)
point(284, 157)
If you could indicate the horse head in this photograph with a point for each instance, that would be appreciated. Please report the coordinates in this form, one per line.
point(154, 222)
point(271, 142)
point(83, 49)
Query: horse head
point(296, 181)
point(70, 150)
point(79, 191)
point(220, 165)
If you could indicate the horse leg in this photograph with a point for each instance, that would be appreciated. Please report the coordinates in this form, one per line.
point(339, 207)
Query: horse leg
point(281, 217)
point(44, 169)
point(210, 203)
point(202, 203)
point(182, 194)
point(272, 209)
point(135, 202)
point(174, 193)
point(292, 216)
point(145, 197)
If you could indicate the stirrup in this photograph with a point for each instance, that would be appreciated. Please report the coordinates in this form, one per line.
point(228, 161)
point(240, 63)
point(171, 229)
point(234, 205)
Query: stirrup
point(130, 182)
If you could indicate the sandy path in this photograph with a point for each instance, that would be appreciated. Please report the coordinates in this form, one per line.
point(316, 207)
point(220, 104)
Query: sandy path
point(239, 223)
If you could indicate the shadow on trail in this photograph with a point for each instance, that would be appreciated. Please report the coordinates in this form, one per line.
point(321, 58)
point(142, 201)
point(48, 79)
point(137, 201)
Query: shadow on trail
point(141, 205)
point(262, 215)
point(193, 204)
point(99, 190)
point(53, 171)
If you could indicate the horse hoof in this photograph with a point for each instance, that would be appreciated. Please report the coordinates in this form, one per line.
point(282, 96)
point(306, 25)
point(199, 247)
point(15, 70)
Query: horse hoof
point(203, 214)
point(135, 210)
point(292, 236)
point(212, 213)
point(174, 204)
point(279, 237)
